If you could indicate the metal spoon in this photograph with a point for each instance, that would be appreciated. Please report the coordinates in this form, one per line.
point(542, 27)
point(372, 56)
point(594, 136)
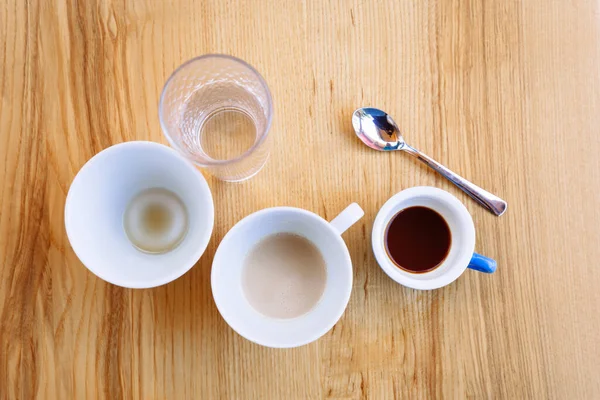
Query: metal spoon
point(379, 131)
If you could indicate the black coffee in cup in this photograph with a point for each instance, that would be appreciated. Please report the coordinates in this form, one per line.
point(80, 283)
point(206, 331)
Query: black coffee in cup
point(418, 239)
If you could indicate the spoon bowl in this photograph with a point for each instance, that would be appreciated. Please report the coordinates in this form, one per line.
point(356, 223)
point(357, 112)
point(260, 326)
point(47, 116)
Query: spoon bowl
point(379, 131)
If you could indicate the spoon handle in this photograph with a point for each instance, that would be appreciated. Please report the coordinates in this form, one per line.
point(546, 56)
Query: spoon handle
point(492, 203)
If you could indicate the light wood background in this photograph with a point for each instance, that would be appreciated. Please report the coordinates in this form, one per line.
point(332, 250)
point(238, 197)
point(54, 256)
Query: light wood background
point(507, 93)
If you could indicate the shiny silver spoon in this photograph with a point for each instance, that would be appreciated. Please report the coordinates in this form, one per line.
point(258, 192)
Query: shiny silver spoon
point(379, 131)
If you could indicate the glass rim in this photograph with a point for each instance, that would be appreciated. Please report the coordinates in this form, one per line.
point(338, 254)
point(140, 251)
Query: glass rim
point(211, 162)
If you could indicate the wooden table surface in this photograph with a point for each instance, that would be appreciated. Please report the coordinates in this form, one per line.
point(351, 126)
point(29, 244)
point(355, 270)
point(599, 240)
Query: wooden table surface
point(506, 93)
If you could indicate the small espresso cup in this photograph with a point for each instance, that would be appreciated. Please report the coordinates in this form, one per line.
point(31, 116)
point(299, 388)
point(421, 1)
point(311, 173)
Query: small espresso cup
point(461, 253)
point(229, 262)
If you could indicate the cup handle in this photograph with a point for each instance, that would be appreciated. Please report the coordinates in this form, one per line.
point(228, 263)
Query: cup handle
point(482, 264)
point(347, 218)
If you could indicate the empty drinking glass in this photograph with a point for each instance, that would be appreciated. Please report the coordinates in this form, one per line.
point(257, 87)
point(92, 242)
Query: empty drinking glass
point(216, 110)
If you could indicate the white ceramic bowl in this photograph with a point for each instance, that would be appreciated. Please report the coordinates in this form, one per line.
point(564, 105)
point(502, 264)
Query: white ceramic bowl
point(97, 200)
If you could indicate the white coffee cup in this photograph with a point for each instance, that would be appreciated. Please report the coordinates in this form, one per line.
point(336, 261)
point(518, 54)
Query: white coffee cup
point(97, 200)
point(229, 260)
point(462, 230)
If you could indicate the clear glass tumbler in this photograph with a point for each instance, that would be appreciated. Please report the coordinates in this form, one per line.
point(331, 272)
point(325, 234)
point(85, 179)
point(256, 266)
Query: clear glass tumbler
point(216, 110)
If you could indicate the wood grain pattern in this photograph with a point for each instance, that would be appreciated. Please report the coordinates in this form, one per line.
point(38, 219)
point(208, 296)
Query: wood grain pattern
point(506, 93)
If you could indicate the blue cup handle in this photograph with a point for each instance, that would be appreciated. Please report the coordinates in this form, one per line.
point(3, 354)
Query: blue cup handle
point(482, 264)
